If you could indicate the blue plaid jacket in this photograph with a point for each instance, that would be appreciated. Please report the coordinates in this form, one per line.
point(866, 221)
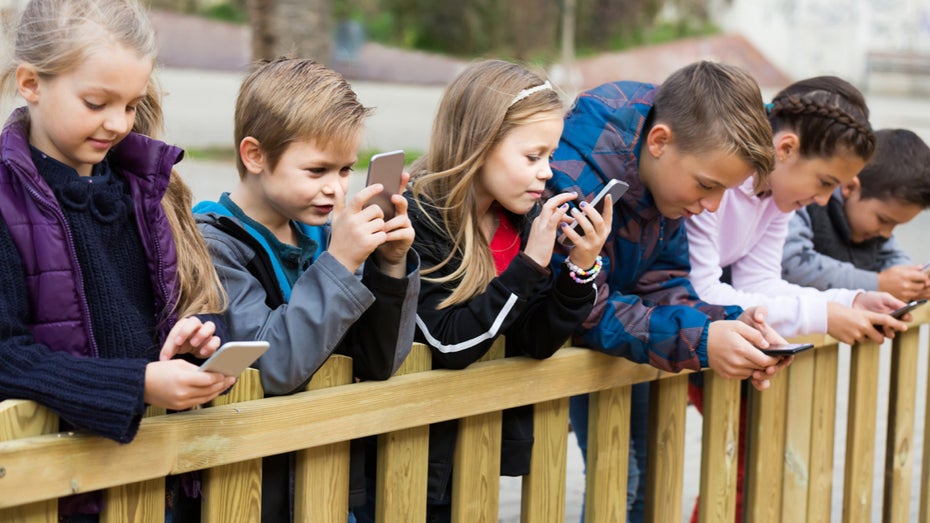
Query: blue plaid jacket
point(646, 310)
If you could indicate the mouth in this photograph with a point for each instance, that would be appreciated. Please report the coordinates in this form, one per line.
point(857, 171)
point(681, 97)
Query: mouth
point(535, 194)
point(324, 209)
point(97, 143)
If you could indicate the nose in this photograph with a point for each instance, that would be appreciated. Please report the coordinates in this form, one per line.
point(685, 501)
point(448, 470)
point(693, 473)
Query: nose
point(545, 173)
point(118, 121)
point(885, 231)
point(822, 199)
point(711, 203)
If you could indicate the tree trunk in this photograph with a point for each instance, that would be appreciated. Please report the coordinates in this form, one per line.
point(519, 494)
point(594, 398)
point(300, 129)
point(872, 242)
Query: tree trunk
point(294, 28)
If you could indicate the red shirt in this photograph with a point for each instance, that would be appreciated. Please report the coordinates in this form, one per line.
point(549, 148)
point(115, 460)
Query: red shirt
point(505, 245)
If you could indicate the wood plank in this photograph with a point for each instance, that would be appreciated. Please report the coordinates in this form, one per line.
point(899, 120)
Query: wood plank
point(321, 474)
point(403, 460)
point(477, 463)
point(139, 502)
point(233, 493)
point(608, 463)
point(719, 449)
point(899, 443)
point(765, 452)
point(668, 400)
point(19, 419)
point(860, 432)
point(543, 494)
point(823, 421)
point(44, 467)
point(798, 429)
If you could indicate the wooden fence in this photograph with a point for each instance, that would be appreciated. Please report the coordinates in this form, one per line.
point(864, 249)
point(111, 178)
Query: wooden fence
point(790, 466)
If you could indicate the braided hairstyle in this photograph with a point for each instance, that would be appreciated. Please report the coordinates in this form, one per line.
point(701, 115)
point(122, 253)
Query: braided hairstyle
point(829, 116)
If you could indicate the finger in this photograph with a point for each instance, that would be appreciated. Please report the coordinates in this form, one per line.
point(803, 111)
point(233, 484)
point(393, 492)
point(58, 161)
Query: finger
point(560, 199)
point(404, 178)
point(202, 334)
point(400, 205)
point(761, 385)
point(339, 199)
point(360, 200)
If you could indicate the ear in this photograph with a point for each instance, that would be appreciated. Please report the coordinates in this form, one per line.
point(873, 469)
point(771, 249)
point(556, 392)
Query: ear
point(659, 137)
point(786, 145)
point(27, 83)
point(851, 187)
point(250, 151)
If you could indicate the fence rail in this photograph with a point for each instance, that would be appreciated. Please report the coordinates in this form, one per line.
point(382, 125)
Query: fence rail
point(789, 461)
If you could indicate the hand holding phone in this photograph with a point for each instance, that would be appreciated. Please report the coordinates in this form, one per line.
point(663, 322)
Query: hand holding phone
point(386, 169)
point(897, 314)
point(788, 349)
point(614, 188)
point(234, 357)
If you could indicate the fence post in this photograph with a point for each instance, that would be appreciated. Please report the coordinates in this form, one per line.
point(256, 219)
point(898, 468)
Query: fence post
point(232, 493)
point(860, 432)
point(608, 454)
point(823, 422)
point(899, 445)
point(719, 449)
point(668, 400)
point(321, 474)
point(403, 460)
point(477, 464)
point(798, 429)
point(543, 495)
point(20, 419)
point(136, 502)
point(765, 452)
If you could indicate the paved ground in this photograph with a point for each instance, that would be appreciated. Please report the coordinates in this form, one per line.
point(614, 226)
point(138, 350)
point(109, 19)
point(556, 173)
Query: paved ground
point(199, 113)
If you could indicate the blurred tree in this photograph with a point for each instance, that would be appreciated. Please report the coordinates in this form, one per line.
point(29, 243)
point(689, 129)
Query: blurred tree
point(298, 28)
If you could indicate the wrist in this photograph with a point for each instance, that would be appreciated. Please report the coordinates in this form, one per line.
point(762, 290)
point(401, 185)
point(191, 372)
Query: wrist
point(583, 275)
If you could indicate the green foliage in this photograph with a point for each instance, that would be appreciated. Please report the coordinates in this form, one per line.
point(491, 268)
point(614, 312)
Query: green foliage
point(226, 12)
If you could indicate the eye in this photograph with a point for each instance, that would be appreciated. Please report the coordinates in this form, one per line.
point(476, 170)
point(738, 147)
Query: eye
point(533, 158)
point(130, 109)
point(827, 184)
point(346, 171)
point(704, 186)
point(316, 171)
point(93, 106)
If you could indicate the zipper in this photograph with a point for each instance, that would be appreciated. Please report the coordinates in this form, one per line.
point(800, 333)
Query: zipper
point(85, 306)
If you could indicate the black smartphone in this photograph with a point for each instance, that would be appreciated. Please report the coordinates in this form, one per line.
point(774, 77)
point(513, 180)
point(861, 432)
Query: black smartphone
point(386, 169)
point(907, 308)
point(614, 188)
point(787, 349)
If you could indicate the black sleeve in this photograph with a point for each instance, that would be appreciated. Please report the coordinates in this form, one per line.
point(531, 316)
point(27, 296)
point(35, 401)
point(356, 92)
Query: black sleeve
point(102, 396)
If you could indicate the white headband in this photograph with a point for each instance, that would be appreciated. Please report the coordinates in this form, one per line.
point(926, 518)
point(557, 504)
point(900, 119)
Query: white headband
point(526, 92)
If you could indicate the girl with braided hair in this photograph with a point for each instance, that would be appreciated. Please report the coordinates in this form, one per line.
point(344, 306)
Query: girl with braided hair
point(822, 139)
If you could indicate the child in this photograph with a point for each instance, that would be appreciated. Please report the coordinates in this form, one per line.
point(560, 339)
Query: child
point(822, 138)
point(848, 244)
point(307, 285)
point(104, 269)
point(678, 146)
point(486, 242)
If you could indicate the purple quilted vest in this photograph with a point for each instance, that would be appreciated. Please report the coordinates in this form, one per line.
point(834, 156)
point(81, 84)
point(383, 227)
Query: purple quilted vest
point(60, 316)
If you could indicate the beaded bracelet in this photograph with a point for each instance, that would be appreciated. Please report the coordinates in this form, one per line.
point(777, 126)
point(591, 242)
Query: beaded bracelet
point(582, 276)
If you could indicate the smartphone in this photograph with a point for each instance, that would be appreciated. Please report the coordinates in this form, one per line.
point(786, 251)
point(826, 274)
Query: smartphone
point(907, 308)
point(386, 169)
point(614, 188)
point(234, 357)
point(787, 349)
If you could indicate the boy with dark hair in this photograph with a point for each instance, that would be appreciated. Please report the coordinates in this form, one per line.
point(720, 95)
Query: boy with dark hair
point(848, 243)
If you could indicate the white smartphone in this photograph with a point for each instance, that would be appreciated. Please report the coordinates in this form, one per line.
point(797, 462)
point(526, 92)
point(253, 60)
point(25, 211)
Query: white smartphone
point(234, 357)
point(386, 169)
point(615, 188)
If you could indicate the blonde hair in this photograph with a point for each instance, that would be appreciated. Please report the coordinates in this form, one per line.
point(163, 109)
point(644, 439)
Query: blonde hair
point(477, 110)
point(291, 99)
point(717, 107)
point(54, 36)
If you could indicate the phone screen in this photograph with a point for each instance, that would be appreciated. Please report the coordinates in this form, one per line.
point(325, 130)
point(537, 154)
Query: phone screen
point(386, 169)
